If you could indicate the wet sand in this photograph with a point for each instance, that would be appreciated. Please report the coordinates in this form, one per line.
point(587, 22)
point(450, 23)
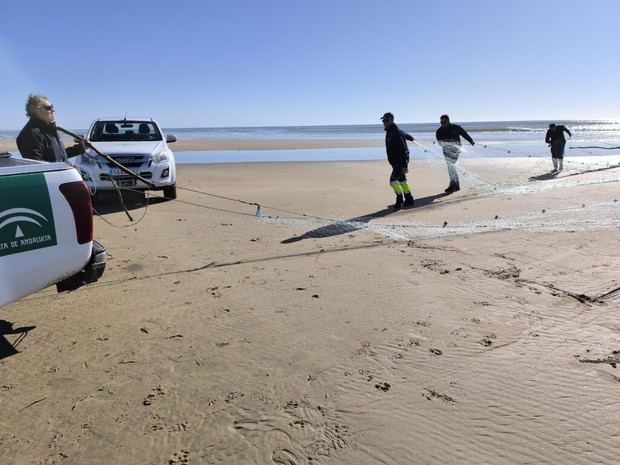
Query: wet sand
point(182, 145)
point(477, 328)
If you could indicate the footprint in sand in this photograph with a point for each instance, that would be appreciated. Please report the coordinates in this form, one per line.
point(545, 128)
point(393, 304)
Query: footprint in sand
point(233, 396)
point(156, 392)
point(487, 340)
point(178, 428)
point(385, 387)
point(284, 457)
point(179, 458)
point(431, 394)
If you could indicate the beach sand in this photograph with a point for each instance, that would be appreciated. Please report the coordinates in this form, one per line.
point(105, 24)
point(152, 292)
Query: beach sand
point(183, 145)
point(477, 328)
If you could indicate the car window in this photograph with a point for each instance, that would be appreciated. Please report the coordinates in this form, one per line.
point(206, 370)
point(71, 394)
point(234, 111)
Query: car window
point(124, 131)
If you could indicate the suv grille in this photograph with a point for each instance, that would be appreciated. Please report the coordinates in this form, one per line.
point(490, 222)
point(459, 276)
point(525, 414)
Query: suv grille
point(125, 177)
point(130, 160)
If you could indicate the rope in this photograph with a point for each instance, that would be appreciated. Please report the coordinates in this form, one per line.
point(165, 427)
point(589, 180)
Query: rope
point(217, 196)
point(599, 163)
point(258, 209)
point(196, 204)
point(596, 147)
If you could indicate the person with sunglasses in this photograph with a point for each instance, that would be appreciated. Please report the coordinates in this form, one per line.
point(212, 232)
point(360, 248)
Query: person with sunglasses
point(39, 140)
point(449, 137)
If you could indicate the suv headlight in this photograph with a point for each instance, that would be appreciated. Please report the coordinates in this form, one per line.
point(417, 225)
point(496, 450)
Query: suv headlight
point(161, 156)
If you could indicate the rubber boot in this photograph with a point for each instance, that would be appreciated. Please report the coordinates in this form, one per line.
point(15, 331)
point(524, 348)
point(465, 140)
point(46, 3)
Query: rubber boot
point(555, 165)
point(560, 164)
point(453, 187)
point(408, 200)
point(399, 202)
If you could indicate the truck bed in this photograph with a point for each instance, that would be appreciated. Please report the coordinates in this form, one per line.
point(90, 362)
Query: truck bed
point(46, 228)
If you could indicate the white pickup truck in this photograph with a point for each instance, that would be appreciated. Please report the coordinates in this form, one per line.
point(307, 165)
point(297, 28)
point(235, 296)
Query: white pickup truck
point(46, 229)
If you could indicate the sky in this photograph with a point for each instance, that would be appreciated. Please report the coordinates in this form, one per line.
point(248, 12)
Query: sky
point(213, 63)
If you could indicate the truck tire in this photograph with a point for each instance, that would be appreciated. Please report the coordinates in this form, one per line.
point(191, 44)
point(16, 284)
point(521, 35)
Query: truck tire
point(170, 192)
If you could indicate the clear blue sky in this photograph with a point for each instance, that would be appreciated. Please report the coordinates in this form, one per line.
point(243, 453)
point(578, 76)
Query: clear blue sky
point(306, 62)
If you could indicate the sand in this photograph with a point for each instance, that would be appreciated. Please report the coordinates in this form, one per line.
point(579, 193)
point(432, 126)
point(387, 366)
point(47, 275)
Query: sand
point(477, 328)
point(182, 145)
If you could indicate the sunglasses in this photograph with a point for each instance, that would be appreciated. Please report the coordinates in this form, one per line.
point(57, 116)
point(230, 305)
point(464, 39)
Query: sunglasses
point(47, 107)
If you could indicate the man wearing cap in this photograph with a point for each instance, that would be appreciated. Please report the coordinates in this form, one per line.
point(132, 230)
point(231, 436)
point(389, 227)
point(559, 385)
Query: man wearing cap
point(39, 139)
point(449, 137)
point(398, 157)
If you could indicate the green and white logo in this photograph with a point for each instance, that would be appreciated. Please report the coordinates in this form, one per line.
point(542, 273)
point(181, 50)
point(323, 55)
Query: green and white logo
point(26, 218)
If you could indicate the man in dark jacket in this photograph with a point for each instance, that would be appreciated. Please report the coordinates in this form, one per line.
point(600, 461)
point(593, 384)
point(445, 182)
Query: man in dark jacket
point(38, 140)
point(449, 137)
point(398, 157)
point(555, 139)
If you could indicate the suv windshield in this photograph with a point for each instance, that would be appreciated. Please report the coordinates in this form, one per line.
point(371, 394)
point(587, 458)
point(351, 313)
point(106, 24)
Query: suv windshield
point(123, 131)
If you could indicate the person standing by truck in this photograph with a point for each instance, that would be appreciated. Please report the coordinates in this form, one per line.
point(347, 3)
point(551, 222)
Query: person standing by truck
point(556, 140)
point(39, 140)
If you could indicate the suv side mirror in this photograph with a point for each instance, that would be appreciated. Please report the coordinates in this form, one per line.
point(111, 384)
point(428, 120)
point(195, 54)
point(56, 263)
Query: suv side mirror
point(171, 138)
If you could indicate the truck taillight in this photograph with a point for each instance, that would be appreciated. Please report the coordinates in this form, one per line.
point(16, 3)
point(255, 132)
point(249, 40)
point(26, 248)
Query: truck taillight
point(78, 196)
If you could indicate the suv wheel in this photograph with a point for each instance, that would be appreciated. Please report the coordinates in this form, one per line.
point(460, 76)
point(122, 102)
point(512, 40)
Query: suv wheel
point(170, 192)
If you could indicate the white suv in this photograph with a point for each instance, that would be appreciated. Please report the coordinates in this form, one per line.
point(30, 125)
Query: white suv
point(137, 143)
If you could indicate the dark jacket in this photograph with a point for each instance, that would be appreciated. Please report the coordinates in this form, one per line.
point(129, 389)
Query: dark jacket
point(453, 133)
point(557, 135)
point(396, 146)
point(40, 141)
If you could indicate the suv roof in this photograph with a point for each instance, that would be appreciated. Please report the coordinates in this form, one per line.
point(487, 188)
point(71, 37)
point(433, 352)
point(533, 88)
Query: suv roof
point(125, 118)
point(124, 130)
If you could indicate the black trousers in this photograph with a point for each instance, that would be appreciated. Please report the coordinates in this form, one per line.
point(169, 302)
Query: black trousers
point(557, 149)
point(398, 174)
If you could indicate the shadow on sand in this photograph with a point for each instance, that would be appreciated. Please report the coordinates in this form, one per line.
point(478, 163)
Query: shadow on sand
point(354, 224)
point(552, 175)
point(544, 176)
point(109, 201)
point(6, 348)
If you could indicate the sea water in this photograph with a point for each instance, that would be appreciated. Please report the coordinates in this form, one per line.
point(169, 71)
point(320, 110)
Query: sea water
point(493, 139)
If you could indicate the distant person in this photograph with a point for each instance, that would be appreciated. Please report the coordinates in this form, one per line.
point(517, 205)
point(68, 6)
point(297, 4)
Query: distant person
point(449, 137)
point(38, 140)
point(398, 157)
point(555, 139)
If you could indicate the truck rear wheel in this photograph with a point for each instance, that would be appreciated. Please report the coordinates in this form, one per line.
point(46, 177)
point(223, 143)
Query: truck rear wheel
point(170, 192)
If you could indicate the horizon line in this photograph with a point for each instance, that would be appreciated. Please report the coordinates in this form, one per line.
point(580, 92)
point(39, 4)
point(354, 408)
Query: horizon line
point(612, 121)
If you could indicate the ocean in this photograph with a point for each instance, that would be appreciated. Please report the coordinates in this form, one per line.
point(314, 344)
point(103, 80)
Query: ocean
point(493, 139)
point(483, 130)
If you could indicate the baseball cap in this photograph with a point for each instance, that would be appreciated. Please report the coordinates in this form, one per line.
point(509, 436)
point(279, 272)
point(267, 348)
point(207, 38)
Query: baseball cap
point(387, 115)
